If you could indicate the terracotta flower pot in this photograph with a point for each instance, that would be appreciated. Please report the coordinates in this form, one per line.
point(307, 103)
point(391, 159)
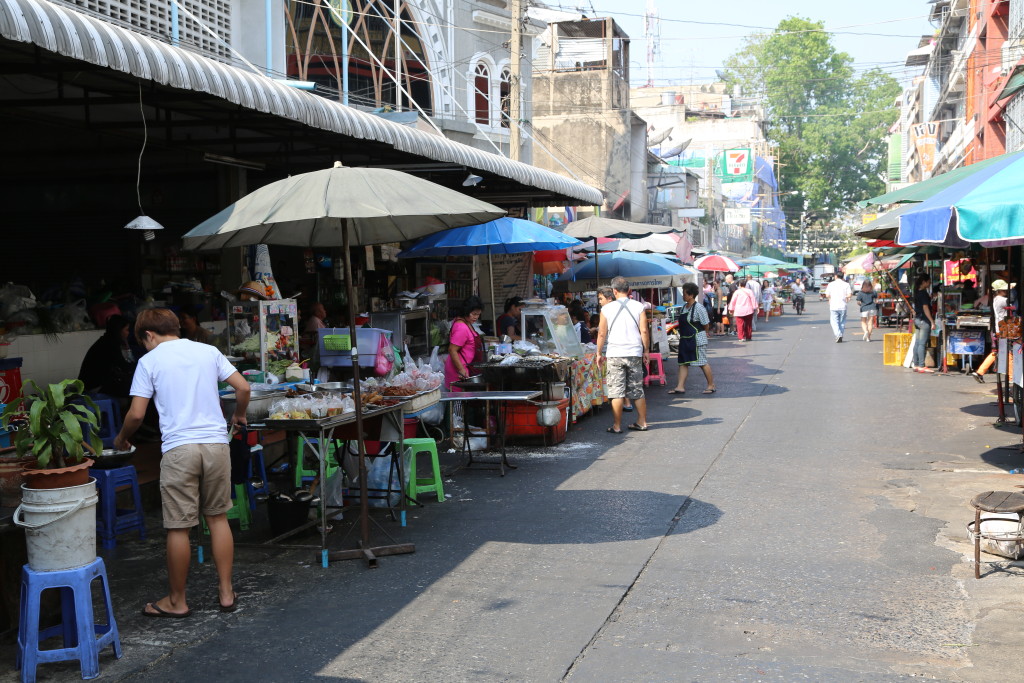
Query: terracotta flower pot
point(58, 478)
point(11, 475)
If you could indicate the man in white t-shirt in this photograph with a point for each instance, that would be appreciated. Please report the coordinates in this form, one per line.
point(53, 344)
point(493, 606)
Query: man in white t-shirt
point(838, 294)
point(624, 339)
point(195, 471)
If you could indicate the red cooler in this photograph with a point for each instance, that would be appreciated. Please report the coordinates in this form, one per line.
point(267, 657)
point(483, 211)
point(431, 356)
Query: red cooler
point(10, 379)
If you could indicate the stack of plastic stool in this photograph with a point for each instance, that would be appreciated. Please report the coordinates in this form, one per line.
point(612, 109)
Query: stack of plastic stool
point(110, 420)
point(83, 637)
point(111, 521)
point(303, 475)
point(659, 375)
point(431, 484)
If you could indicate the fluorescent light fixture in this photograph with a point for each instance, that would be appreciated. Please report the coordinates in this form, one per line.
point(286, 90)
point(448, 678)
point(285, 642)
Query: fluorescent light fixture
point(299, 85)
point(231, 161)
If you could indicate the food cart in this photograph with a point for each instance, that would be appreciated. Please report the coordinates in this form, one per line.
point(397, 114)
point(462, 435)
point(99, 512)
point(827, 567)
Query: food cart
point(264, 334)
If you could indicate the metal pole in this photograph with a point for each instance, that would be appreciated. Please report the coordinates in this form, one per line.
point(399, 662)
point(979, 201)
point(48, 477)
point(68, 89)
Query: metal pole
point(364, 501)
point(398, 56)
point(346, 17)
point(515, 80)
point(494, 307)
point(597, 265)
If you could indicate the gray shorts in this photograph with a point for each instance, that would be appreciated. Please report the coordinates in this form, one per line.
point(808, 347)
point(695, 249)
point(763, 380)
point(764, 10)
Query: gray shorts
point(191, 476)
point(625, 378)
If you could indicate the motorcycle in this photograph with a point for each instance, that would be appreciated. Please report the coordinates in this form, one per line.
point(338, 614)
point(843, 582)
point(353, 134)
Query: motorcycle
point(798, 304)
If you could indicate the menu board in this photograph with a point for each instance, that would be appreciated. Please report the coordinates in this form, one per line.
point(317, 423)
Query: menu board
point(512, 275)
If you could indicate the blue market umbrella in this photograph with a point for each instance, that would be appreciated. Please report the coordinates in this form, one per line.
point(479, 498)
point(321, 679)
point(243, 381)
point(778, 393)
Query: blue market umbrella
point(985, 207)
point(501, 236)
point(642, 271)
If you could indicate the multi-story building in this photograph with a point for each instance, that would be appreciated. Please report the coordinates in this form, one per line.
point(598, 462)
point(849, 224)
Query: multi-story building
point(582, 119)
point(693, 127)
point(1011, 94)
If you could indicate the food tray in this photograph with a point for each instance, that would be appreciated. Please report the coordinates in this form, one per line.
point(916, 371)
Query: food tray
point(422, 400)
point(318, 423)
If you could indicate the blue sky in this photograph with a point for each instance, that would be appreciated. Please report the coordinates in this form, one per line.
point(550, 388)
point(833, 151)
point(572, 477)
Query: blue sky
point(691, 51)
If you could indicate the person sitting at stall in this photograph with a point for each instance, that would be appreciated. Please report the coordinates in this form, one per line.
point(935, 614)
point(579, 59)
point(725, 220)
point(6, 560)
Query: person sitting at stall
point(1000, 308)
point(508, 322)
point(190, 327)
point(968, 294)
point(464, 343)
point(579, 317)
point(109, 364)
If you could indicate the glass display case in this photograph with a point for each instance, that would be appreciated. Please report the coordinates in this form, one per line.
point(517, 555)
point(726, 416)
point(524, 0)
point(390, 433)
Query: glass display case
point(265, 333)
point(551, 329)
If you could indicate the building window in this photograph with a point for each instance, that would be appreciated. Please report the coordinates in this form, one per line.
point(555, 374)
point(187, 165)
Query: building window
point(506, 94)
point(482, 86)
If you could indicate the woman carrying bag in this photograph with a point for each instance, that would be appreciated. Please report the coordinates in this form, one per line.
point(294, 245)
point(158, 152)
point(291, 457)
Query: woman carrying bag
point(693, 340)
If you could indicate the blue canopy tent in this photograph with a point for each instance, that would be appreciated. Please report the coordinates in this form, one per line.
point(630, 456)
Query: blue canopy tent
point(986, 207)
point(501, 236)
point(642, 271)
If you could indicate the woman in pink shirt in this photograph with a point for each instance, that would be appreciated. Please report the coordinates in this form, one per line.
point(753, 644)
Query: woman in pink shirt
point(464, 344)
point(742, 307)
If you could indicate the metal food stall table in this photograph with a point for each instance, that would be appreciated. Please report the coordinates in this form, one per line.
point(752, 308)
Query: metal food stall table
point(486, 397)
point(322, 430)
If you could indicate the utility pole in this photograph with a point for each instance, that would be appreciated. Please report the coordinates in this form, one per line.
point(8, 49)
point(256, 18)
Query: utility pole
point(803, 220)
point(515, 81)
point(398, 56)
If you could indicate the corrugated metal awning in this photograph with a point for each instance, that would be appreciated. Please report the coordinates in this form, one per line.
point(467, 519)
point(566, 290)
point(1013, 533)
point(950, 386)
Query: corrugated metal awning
point(71, 34)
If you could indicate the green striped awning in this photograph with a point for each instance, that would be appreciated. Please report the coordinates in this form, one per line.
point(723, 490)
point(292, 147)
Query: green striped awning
point(1014, 84)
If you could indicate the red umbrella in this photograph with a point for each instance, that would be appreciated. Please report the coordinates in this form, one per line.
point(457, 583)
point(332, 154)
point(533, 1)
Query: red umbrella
point(716, 262)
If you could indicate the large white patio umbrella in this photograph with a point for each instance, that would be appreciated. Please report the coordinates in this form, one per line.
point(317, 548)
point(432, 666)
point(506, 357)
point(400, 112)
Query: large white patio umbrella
point(342, 207)
point(597, 226)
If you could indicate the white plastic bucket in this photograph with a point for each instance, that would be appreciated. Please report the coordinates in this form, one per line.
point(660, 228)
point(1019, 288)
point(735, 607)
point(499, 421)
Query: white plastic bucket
point(60, 526)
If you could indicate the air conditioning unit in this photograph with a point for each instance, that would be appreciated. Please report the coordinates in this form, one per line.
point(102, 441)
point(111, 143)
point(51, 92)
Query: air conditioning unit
point(698, 237)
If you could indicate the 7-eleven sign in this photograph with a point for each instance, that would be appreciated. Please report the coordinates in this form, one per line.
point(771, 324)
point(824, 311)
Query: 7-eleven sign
point(736, 165)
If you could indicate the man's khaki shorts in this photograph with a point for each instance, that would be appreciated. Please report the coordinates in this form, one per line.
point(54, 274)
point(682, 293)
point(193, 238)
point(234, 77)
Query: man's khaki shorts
point(191, 476)
point(625, 378)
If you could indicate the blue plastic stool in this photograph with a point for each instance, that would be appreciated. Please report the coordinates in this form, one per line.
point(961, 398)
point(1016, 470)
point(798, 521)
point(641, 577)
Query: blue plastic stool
point(83, 637)
point(111, 521)
point(110, 420)
point(256, 468)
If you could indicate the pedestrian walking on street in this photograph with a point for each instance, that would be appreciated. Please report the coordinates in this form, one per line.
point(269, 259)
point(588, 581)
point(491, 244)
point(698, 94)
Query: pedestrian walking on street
point(754, 286)
point(624, 339)
point(693, 339)
point(923, 320)
point(999, 304)
point(605, 296)
point(743, 307)
point(867, 297)
point(838, 294)
point(767, 298)
point(729, 288)
point(195, 471)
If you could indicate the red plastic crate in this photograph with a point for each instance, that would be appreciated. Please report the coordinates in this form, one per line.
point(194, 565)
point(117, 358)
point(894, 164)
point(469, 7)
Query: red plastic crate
point(521, 424)
point(10, 379)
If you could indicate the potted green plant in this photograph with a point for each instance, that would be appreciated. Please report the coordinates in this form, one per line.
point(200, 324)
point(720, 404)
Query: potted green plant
point(57, 426)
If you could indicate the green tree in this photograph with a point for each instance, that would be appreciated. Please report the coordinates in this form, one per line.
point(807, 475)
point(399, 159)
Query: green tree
point(828, 121)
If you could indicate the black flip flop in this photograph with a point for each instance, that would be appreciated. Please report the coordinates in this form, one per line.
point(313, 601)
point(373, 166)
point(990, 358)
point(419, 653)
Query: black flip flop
point(613, 431)
point(672, 392)
point(637, 428)
point(161, 613)
point(232, 607)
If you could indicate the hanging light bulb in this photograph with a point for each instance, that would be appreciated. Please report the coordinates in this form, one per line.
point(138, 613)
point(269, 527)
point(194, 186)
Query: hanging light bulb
point(142, 221)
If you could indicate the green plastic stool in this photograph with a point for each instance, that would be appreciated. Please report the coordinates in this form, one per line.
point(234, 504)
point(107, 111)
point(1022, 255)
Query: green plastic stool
point(432, 484)
point(304, 476)
point(239, 509)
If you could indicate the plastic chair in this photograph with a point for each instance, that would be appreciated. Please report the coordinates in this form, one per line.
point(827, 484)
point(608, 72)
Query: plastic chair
point(83, 638)
point(431, 484)
point(660, 374)
point(111, 521)
point(110, 420)
point(239, 509)
point(257, 468)
point(304, 475)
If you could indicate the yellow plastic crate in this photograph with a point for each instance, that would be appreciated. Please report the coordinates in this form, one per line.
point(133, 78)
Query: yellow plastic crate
point(895, 346)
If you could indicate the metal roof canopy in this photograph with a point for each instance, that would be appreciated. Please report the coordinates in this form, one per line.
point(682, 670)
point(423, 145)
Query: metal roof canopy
point(196, 103)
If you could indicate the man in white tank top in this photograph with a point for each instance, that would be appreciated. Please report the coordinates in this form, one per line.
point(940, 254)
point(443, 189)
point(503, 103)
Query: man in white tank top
point(623, 338)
